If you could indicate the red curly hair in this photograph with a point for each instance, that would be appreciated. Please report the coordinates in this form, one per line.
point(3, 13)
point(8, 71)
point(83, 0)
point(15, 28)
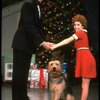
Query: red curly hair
point(81, 18)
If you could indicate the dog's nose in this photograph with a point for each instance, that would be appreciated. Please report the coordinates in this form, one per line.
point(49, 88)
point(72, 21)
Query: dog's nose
point(54, 68)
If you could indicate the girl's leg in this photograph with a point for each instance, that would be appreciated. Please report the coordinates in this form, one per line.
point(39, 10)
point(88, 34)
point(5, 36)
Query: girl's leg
point(85, 88)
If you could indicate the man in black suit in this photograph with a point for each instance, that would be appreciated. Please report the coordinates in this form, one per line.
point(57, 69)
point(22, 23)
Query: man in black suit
point(27, 39)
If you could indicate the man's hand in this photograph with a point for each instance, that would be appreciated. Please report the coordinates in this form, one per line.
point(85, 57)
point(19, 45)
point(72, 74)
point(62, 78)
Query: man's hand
point(47, 45)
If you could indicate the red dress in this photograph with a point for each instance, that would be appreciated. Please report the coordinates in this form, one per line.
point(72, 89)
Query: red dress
point(85, 62)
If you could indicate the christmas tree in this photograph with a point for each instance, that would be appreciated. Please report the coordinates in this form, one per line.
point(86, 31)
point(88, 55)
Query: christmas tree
point(57, 17)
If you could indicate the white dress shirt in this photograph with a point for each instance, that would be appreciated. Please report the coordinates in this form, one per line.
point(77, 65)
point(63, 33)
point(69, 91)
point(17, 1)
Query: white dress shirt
point(39, 11)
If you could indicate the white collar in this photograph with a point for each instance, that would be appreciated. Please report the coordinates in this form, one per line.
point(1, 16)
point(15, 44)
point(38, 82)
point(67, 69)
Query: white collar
point(84, 30)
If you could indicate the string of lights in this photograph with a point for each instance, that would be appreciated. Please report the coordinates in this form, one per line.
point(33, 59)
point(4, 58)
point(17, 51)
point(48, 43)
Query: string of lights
point(57, 16)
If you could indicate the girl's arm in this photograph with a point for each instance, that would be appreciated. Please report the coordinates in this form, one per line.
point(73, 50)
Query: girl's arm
point(63, 42)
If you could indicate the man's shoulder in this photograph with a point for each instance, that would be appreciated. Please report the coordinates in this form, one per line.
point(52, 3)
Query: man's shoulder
point(32, 2)
point(27, 4)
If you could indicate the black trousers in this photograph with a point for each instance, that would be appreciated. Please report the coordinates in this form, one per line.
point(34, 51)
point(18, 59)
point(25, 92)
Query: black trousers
point(21, 65)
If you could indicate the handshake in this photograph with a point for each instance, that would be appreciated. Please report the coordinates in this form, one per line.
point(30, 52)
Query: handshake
point(48, 45)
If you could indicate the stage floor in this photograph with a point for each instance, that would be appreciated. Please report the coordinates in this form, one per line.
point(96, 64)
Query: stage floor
point(40, 94)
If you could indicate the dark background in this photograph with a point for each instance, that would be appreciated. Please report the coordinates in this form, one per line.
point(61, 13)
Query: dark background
point(92, 7)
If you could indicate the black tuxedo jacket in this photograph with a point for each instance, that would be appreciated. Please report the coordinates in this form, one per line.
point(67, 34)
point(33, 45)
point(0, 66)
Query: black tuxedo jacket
point(29, 33)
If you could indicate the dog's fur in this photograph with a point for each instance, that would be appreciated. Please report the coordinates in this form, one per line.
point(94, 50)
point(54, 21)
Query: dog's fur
point(58, 84)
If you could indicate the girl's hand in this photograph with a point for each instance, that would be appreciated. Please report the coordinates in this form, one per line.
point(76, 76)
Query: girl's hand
point(52, 47)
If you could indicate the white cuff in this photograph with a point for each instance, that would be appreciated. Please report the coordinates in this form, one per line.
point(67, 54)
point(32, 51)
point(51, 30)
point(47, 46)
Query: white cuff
point(75, 36)
point(42, 43)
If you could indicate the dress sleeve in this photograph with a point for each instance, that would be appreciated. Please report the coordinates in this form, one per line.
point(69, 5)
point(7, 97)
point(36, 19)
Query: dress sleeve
point(77, 35)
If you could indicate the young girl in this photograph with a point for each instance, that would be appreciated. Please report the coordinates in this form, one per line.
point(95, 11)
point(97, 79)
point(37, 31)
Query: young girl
point(85, 62)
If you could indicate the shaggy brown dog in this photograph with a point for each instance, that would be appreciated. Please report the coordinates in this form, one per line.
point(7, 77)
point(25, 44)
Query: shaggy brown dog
point(58, 85)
